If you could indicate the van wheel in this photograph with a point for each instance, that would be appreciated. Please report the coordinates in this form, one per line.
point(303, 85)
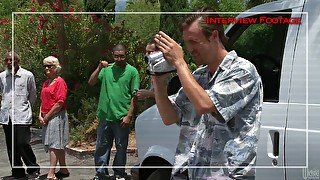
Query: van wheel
point(160, 174)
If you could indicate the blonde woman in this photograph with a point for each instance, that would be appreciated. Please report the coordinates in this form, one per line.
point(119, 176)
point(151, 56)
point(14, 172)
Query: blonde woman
point(53, 117)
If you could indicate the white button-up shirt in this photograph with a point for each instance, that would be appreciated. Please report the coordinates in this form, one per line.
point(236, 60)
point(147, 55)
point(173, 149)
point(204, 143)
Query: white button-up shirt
point(24, 95)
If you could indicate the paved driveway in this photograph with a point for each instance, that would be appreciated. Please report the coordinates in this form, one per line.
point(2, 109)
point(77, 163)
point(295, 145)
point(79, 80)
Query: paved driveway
point(77, 166)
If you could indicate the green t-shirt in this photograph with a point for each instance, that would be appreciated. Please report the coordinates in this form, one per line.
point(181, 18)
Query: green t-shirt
point(118, 84)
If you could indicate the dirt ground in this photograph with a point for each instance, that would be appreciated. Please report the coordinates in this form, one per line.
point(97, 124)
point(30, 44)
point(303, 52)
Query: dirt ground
point(92, 146)
point(132, 140)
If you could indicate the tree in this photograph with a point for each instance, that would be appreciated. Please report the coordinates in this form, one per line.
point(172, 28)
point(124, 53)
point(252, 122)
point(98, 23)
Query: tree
point(231, 6)
point(145, 26)
point(169, 23)
point(252, 3)
point(101, 6)
point(196, 4)
point(6, 8)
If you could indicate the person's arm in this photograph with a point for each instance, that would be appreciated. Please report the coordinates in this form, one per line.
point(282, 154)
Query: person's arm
point(126, 120)
point(53, 111)
point(135, 83)
point(32, 90)
point(144, 94)
point(166, 109)
point(1, 90)
point(40, 117)
point(61, 97)
point(94, 76)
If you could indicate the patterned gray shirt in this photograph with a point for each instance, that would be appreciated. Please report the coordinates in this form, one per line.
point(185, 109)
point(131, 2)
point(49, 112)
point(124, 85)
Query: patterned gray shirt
point(222, 145)
point(24, 94)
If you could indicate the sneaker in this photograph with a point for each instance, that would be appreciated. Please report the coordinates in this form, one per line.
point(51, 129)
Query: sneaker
point(101, 177)
point(35, 175)
point(120, 178)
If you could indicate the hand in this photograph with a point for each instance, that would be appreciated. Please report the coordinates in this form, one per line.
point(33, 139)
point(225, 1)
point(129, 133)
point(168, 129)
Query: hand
point(45, 119)
point(125, 122)
point(144, 94)
point(103, 64)
point(41, 120)
point(171, 49)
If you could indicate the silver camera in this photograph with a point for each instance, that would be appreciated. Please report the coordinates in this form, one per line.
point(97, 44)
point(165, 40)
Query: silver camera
point(157, 64)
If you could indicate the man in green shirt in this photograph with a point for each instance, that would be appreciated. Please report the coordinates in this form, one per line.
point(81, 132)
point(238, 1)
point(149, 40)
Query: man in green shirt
point(119, 82)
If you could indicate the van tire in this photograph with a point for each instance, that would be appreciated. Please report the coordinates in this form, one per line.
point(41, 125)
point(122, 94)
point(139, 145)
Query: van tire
point(160, 174)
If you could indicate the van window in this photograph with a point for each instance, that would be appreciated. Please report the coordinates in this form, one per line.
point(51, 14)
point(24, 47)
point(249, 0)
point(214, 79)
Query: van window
point(263, 45)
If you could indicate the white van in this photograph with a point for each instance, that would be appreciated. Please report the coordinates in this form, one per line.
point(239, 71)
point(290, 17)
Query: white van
point(287, 57)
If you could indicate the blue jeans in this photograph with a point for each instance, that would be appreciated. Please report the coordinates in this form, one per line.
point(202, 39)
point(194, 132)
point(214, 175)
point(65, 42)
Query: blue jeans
point(106, 133)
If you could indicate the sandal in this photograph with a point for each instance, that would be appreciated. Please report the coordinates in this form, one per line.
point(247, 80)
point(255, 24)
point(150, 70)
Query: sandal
point(52, 178)
point(62, 175)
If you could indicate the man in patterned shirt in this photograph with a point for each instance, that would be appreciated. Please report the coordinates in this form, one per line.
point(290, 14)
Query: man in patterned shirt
point(218, 107)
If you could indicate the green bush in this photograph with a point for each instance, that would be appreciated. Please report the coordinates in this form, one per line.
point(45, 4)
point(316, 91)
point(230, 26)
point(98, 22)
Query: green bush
point(84, 122)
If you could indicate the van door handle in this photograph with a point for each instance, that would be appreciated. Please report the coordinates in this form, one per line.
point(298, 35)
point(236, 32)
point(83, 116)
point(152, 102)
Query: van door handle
point(276, 143)
point(273, 145)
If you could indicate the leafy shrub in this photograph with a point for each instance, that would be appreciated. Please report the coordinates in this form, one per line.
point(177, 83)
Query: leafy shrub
point(84, 123)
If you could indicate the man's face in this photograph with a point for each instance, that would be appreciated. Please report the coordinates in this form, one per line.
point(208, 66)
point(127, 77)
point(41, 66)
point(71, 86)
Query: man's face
point(119, 57)
point(150, 48)
point(9, 60)
point(197, 44)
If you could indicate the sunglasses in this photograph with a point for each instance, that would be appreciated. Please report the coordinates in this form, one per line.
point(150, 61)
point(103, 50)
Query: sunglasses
point(119, 56)
point(48, 66)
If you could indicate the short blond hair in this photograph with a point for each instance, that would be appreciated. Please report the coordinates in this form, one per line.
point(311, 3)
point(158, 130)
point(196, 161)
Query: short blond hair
point(54, 61)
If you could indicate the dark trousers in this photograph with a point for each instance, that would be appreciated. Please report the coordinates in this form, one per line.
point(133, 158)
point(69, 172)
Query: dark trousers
point(22, 149)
